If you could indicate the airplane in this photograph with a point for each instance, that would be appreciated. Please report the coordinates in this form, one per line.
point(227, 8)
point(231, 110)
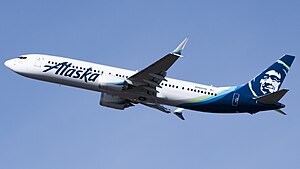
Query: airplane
point(122, 88)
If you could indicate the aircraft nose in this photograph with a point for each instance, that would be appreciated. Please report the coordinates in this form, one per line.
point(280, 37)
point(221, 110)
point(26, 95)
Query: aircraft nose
point(9, 63)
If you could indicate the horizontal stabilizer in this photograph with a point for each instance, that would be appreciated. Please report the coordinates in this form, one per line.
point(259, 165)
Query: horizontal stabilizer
point(272, 98)
point(280, 111)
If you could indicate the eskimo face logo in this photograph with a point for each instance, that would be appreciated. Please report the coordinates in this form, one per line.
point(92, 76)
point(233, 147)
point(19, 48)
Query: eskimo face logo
point(270, 82)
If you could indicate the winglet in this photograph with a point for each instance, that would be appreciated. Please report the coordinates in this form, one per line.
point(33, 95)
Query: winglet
point(178, 113)
point(180, 47)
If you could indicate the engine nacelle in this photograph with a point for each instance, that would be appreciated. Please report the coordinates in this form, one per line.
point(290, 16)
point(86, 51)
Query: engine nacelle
point(115, 102)
point(111, 87)
point(111, 83)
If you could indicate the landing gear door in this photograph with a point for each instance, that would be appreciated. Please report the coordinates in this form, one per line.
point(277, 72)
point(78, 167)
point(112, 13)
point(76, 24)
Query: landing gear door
point(38, 61)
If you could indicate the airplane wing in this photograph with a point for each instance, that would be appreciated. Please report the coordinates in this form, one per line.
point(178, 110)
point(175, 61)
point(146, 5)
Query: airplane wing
point(178, 112)
point(150, 77)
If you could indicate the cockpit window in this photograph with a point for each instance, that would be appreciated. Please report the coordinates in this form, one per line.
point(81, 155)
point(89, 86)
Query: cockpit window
point(22, 57)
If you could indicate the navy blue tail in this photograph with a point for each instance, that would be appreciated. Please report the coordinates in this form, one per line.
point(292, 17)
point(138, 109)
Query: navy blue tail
point(271, 79)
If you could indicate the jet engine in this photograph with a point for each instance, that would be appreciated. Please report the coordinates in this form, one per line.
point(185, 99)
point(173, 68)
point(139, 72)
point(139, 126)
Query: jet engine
point(115, 102)
point(111, 83)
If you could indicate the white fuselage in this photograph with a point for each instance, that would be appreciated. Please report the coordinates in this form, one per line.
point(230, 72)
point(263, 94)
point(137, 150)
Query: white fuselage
point(171, 92)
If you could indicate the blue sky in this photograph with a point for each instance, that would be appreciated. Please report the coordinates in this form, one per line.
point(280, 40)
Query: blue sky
point(48, 126)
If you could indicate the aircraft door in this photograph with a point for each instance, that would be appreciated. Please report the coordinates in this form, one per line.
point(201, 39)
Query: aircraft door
point(38, 61)
point(235, 99)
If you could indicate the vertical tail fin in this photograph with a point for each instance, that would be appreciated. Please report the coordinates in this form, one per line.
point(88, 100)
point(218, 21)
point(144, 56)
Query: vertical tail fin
point(271, 79)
